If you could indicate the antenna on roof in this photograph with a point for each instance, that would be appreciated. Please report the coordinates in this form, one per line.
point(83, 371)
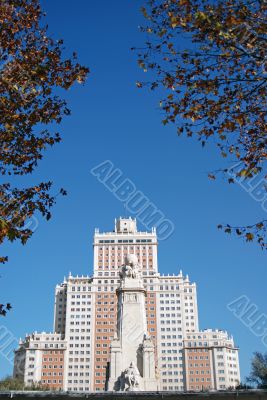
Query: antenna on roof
point(125, 210)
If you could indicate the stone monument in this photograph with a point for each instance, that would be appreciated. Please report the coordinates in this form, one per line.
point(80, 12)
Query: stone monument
point(132, 364)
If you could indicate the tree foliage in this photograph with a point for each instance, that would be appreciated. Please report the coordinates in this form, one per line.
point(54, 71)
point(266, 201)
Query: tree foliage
point(10, 383)
point(258, 373)
point(209, 60)
point(34, 72)
point(243, 386)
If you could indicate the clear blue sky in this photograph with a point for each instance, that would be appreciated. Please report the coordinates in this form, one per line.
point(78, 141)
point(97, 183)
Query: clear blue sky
point(112, 119)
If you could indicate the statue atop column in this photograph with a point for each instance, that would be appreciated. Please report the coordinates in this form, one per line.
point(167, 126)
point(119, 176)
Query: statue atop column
point(131, 268)
point(132, 351)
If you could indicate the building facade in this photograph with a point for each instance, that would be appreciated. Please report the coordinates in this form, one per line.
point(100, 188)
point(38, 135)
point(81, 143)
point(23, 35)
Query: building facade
point(85, 316)
point(41, 358)
point(211, 361)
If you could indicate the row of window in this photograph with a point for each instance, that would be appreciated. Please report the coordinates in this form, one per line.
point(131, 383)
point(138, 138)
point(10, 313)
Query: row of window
point(108, 273)
point(50, 374)
point(48, 338)
point(176, 321)
point(79, 374)
point(46, 346)
point(170, 366)
point(199, 365)
point(171, 336)
point(170, 373)
point(79, 337)
point(199, 358)
point(173, 315)
point(126, 241)
point(200, 372)
point(200, 380)
point(163, 351)
point(80, 366)
point(173, 388)
point(197, 387)
point(173, 329)
point(170, 380)
point(143, 256)
point(101, 248)
point(82, 359)
point(53, 352)
point(81, 288)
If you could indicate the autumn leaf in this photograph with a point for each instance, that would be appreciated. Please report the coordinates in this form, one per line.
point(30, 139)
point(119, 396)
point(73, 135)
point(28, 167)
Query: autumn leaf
point(211, 176)
point(249, 236)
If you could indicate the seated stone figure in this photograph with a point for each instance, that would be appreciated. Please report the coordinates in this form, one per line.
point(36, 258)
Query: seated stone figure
point(130, 378)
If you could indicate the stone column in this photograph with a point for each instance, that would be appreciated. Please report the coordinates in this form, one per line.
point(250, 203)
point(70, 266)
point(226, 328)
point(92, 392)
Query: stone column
point(149, 370)
point(132, 365)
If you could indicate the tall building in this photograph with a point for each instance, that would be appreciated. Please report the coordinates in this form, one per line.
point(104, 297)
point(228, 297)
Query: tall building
point(85, 317)
point(110, 250)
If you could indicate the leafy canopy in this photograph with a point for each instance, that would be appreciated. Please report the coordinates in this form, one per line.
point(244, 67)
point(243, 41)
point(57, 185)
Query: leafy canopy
point(10, 383)
point(258, 373)
point(209, 59)
point(33, 73)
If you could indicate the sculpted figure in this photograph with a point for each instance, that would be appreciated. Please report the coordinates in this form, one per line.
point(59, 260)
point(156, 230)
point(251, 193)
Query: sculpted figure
point(130, 268)
point(131, 378)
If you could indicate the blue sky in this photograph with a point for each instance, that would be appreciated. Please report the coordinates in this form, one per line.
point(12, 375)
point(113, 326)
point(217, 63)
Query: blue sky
point(113, 120)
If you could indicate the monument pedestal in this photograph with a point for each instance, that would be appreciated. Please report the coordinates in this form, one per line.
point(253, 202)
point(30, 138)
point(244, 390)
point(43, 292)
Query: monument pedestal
point(132, 365)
